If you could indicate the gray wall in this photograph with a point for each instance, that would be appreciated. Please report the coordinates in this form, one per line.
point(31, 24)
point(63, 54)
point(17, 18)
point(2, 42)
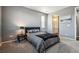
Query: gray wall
point(0, 23)
point(63, 29)
point(13, 17)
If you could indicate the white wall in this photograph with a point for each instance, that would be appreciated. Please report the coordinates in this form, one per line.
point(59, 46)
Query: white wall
point(49, 24)
point(67, 32)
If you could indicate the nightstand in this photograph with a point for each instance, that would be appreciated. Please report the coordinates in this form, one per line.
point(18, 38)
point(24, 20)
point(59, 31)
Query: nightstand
point(21, 37)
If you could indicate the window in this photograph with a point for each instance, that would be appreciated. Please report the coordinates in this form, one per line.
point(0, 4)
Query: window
point(43, 21)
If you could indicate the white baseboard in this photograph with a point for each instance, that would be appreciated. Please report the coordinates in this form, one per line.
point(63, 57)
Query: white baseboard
point(8, 41)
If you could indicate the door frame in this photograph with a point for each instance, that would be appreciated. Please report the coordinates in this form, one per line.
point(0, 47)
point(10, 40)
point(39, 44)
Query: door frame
point(75, 17)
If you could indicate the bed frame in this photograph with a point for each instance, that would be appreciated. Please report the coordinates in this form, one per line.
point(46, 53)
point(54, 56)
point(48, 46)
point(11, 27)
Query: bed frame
point(31, 28)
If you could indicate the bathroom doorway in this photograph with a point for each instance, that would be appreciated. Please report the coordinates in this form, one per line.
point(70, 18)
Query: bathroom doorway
point(55, 23)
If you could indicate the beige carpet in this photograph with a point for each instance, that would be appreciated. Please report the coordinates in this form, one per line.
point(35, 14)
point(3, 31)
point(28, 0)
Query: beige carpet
point(15, 47)
point(26, 47)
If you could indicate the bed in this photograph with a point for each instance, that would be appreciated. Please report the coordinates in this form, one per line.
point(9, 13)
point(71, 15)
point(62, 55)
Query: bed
point(40, 40)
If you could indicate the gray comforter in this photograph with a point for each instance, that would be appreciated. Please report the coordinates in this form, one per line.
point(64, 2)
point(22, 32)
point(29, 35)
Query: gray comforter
point(39, 43)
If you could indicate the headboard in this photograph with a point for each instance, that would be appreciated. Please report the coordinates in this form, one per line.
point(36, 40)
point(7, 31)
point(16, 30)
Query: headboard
point(32, 29)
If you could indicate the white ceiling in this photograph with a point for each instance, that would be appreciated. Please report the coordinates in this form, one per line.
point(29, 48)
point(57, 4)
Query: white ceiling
point(46, 9)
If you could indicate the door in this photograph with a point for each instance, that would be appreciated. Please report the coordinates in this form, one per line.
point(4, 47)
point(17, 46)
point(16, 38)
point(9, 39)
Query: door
point(55, 23)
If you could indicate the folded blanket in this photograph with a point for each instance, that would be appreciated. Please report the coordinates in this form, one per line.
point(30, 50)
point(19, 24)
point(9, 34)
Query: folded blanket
point(47, 36)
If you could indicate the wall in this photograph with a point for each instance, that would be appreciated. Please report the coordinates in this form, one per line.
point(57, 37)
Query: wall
point(13, 17)
point(0, 23)
point(63, 30)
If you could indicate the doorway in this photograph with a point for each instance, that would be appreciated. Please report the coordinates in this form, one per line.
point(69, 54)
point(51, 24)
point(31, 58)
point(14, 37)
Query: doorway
point(55, 23)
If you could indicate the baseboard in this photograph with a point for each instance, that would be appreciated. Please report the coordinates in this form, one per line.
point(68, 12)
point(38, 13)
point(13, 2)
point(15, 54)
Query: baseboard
point(8, 41)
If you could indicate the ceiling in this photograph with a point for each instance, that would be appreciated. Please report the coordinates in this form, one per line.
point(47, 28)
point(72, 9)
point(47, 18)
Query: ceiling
point(46, 9)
